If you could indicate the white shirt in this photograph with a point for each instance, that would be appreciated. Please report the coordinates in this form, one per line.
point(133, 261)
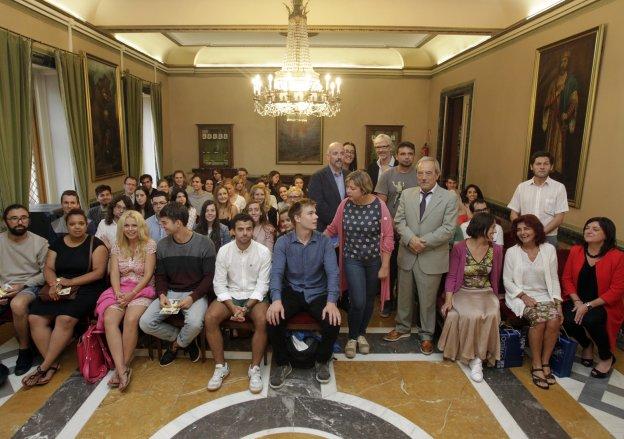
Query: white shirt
point(534, 278)
point(107, 233)
point(240, 202)
point(428, 200)
point(384, 168)
point(543, 201)
point(240, 274)
point(498, 234)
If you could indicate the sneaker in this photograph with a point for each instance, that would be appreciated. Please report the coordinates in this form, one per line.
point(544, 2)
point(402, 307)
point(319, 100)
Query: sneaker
point(168, 357)
point(220, 372)
point(322, 372)
point(476, 370)
point(24, 361)
point(350, 348)
point(4, 373)
point(363, 345)
point(278, 377)
point(193, 351)
point(255, 379)
point(395, 335)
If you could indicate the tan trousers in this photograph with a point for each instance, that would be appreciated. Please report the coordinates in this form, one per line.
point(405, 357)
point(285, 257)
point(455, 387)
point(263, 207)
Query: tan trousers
point(427, 289)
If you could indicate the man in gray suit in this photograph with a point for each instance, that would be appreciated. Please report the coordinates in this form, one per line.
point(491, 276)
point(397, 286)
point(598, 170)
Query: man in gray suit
point(425, 221)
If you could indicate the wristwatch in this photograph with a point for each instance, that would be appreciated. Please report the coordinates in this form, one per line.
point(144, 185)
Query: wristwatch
point(588, 305)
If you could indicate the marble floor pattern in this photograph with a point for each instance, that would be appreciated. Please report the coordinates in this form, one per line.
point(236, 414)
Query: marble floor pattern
point(394, 392)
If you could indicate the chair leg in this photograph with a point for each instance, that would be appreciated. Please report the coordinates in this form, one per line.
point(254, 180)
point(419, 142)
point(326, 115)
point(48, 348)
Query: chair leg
point(202, 345)
point(150, 349)
point(264, 357)
point(159, 348)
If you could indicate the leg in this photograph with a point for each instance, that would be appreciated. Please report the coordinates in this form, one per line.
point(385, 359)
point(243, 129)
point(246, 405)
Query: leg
point(427, 287)
point(405, 301)
point(356, 278)
point(152, 323)
point(259, 340)
point(372, 288)
point(19, 308)
point(193, 323)
point(40, 331)
point(536, 342)
point(572, 329)
point(293, 303)
point(130, 335)
point(551, 334)
point(595, 322)
point(112, 319)
point(61, 335)
point(217, 312)
point(329, 332)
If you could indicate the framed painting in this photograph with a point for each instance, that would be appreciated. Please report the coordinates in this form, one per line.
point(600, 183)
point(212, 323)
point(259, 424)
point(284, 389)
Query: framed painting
point(394, 131)
point(216, 145)
point(299, 142)
point(564, 89)
point(104, 112)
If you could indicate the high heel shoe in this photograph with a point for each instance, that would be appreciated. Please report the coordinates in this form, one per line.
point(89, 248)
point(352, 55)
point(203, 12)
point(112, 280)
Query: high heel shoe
point(600, 375)
point(587, 362)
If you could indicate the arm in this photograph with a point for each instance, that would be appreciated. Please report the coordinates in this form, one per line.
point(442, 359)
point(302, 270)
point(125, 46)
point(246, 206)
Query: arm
point(262, 282)
point(220, 279)
point(514, 204)
point(315, 192)
point(615, 293)
point(451, 276)
point(39, 279)
point(400, 221)
point(336, 224)
point(554, 275)
point(331, 271)
point(278, 269)
point(442, 234)
point(49, 270)
point(512, 289)
point(208, 268)
point(554, 223)
point(114, 274)
point(567, 279)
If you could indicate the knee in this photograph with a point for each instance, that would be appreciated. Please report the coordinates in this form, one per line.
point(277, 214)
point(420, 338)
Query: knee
point(194, 324)
point(66, 322)
point(109, 321)
point(19, 305)
point(260, 325)
point(211, 322)
point(553, 325)
point(131, 321)
point(147, 324)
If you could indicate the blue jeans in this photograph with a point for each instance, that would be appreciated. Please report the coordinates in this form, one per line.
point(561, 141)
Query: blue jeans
point(363, 287)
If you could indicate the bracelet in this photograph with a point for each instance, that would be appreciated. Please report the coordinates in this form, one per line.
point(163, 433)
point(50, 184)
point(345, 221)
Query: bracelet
point(576, 300)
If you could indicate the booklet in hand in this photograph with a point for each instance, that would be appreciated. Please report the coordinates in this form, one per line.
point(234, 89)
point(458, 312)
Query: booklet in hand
point(174, 308)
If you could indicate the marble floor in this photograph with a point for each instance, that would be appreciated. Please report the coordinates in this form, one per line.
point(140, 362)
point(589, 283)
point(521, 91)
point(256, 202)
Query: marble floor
point(394, 392)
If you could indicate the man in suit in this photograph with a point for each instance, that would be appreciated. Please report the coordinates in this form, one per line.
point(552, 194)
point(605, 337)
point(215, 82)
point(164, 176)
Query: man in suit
point(384, 148)
point(425, 221)
point(327, 186)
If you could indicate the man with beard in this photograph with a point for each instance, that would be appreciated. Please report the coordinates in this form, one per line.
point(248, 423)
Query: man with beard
point(327, 186)
point(22, 258)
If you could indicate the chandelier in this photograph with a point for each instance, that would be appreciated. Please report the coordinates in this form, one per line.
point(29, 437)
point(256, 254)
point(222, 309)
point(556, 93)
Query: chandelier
point(296, 90)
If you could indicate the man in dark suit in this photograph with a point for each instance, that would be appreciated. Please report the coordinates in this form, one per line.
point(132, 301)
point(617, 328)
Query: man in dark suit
point(327, 186)
point(384, 148)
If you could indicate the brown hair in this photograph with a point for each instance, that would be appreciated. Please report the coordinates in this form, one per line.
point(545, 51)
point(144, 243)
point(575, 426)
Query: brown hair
point(298, 206)
point(362, 180)
point(532, 222)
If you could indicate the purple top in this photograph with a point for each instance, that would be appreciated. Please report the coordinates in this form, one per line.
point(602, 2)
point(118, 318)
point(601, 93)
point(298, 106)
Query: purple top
point(455, 275)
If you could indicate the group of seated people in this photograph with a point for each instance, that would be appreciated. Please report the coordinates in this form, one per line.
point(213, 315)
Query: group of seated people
point(156, 249)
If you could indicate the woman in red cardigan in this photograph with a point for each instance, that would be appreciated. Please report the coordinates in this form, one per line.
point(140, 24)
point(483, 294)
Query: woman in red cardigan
point(593, 291)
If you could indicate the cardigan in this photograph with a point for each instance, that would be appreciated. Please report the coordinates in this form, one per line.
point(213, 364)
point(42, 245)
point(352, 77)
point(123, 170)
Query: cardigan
point(512, 276)
point(455, 275)
point(610, 279)
point(386, 244)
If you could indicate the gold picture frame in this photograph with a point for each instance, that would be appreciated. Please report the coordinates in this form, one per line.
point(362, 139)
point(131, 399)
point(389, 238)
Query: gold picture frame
point(565, 80)
point(107, 145)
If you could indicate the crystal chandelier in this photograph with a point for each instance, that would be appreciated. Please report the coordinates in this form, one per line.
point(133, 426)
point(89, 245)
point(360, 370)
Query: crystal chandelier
point(296, 90)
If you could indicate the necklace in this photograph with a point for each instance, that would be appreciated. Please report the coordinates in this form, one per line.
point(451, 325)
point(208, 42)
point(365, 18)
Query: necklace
point(590, 255)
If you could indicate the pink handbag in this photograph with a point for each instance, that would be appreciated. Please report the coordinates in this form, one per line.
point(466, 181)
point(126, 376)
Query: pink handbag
point(94, 360)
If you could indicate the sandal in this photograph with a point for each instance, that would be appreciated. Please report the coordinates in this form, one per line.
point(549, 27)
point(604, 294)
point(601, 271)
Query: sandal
point(550, 378)
point(124, 380)
point(114, 381)
point(42, 381)
point(597, 374)
point(539, 381)
point(587, 362)
point(32, 379)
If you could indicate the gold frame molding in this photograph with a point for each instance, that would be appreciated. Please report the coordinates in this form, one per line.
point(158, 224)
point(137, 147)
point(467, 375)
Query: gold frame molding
point(591, 97)
point(120, 118)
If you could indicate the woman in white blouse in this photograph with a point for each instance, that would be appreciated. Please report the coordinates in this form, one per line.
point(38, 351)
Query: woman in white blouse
point(533, 292)
point(107, 229)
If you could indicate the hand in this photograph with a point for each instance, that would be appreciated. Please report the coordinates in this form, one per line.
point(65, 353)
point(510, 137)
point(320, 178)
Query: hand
point(581, 310)
point(332, 312)
point(275, 311)
point(416, 245)
point(528, 301)
point(448, 305)
point(125, 299)
point(384, 272)
point(14, 289)
point(64, 282)
point(164, 301)
point(238, 314)
point(186, 303)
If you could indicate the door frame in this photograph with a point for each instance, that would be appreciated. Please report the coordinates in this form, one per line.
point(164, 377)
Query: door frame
point(466, 90)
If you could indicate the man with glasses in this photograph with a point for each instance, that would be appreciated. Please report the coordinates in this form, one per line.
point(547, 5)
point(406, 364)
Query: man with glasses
point(156, 230)
point(22, 258)
point(130, 186)
point(478, 206)
point(384, 148)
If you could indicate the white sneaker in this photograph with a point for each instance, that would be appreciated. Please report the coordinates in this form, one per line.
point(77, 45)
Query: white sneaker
point(255, 379)
point(220, 372)
point(476, 370)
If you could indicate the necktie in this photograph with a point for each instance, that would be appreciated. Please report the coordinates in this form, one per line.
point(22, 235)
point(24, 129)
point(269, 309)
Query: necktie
point(423, 203)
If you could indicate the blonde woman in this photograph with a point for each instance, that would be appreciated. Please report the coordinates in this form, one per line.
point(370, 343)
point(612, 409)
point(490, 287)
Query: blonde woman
point(225, 209)
point(260, 194)
point(263, 231)
point(133, 258)
point(240, 188)
point(236, 199)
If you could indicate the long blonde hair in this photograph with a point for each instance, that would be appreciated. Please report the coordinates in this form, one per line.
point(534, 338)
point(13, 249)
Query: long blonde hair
point(267, 195)
point(143, 233)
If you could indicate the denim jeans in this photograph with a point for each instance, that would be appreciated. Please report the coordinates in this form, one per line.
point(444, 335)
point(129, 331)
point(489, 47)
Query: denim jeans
point(363, 287)
point(153, 323)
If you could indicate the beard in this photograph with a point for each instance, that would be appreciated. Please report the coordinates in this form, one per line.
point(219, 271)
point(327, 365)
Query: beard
point(18, 231)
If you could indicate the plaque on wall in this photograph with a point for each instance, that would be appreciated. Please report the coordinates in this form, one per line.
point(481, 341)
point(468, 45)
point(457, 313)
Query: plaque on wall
point(216, 146)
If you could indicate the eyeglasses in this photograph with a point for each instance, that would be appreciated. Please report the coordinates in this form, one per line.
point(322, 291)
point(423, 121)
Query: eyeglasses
point(382, 146)
point(18, 218)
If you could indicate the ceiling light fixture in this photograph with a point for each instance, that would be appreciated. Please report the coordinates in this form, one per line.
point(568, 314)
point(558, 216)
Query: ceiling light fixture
point(296, 90)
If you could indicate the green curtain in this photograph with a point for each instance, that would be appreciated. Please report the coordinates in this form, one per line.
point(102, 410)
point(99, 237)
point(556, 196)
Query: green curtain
point(16, 124)
point(70, 70)
point(156, 93)
point(133, 111)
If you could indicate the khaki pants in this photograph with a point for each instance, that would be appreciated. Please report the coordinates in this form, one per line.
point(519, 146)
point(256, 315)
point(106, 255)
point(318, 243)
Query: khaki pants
point(427, 289)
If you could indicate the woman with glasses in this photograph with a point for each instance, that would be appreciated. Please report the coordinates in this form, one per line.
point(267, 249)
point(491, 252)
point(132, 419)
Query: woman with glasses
point(349, 157)
point(107, 229)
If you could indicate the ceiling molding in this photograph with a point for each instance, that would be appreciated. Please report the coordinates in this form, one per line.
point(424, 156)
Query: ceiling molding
point(426, 40)
point(172, 39)
point(249, 72)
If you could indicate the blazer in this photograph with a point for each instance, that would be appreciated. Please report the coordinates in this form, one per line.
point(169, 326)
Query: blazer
point(373, 171)
point(324, 191)
point(610, 278)
point(436, 228)
point(455, 276)
point(512, 276)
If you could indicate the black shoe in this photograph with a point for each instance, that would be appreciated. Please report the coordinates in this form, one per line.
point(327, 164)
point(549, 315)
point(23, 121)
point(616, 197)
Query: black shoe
point(322, 372)
point(168, 357)
point(278, 377)
point(24, 361)
point(193, 351)
point(4, 373)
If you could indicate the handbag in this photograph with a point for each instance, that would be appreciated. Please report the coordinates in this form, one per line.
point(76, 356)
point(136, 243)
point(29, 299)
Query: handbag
point(563, 355)
point(511, 348)
point(94, 360)
point(44, 293)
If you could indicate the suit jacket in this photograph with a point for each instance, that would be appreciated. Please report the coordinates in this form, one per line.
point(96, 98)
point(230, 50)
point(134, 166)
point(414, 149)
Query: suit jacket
point(324, 191)
point(436, 228)
point(373, 171)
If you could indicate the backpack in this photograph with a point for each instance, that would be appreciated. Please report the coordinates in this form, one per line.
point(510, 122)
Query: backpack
point(302, 359)
point(94, 360)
